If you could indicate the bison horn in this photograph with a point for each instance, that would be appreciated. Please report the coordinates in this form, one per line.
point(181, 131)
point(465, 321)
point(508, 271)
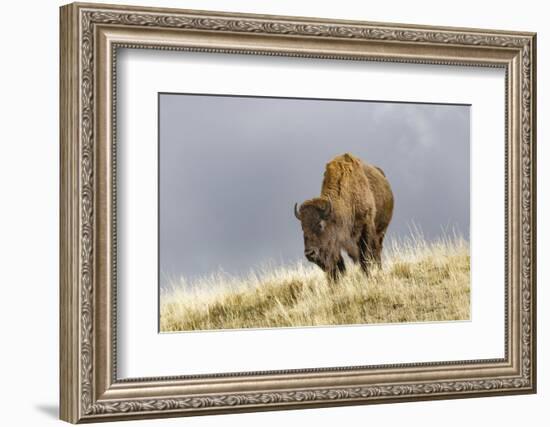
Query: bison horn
point(296, 211)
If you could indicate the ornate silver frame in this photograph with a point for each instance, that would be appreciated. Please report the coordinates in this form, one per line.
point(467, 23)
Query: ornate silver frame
point(90, 35)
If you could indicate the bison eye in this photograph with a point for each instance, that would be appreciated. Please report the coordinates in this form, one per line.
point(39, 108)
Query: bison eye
point(322, 225)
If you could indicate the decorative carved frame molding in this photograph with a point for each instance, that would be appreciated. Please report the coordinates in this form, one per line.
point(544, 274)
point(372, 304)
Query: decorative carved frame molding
point(90, 36)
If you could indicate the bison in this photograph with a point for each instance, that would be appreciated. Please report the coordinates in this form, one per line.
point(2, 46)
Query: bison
point(352, 214)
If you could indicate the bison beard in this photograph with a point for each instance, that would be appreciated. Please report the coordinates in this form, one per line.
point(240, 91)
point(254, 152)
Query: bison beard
point(352, 214)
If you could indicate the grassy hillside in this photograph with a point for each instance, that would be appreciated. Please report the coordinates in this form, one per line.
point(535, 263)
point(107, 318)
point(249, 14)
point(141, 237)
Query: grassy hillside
point(419, 282)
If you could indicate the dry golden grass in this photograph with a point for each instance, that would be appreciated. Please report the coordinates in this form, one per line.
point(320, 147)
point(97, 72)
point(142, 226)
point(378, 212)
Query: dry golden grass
point(420, 282)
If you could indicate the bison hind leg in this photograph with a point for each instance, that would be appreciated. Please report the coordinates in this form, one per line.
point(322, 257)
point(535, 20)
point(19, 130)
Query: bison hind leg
point(365, 259)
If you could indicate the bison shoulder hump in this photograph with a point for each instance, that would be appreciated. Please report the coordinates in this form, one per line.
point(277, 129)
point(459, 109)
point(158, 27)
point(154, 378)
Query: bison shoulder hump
point(380, 170)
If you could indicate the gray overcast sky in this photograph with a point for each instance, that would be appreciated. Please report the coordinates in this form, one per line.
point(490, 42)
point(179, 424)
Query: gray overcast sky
point(231, 169)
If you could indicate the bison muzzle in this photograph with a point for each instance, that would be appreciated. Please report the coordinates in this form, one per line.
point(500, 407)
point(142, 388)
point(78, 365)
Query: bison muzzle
point(351, 215)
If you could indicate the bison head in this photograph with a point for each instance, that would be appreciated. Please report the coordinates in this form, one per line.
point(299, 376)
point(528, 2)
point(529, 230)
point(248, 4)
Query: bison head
point(315, 216)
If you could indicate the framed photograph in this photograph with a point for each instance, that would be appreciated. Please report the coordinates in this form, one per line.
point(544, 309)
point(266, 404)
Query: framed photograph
point(266, 212)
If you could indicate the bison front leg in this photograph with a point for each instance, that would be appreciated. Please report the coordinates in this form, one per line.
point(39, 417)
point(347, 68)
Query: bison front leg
point(336, 270)
point(341, 265)
point(370, 250)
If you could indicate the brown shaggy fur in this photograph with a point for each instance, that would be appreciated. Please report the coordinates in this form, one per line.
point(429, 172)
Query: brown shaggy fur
point(351, 215)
